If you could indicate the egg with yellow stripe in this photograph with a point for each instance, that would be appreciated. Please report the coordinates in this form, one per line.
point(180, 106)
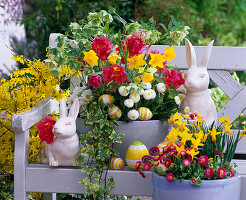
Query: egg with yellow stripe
point(106, 99)
point(116, 163)
point(134, 153)
point(114, 112)
point(144, 113)
point(161, 145)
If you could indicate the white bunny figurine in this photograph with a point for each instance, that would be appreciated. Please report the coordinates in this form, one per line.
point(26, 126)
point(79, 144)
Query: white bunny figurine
point(65, 148)
point(198, 98)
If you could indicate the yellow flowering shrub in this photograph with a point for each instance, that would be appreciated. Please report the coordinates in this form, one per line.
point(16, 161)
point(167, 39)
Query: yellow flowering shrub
point(24, 90)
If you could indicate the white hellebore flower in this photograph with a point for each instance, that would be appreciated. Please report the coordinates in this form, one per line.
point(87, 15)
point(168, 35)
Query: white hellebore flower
point(133, 114)
point(147, 94)
point(147, 86)
point(153, 94)
point(123, 91)
point(161, 87)
point(87, 95)
point(135, 97)
point(181, 96)
point(74, 44)
point(128, 103)
point(177, 100)
point(186, 109)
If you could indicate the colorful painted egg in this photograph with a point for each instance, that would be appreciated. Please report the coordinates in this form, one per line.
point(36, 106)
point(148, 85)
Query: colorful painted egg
point(144, 113)
point(114, 113)
point(161, 145)
point(107, 99)
point(116, 163)
point(134, 153)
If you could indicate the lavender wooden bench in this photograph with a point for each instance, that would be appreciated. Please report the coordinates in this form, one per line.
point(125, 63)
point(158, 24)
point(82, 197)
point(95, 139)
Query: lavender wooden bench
point(46, 179)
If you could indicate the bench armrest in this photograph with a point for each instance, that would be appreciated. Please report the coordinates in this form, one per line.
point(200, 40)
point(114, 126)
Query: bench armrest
point(23, 121)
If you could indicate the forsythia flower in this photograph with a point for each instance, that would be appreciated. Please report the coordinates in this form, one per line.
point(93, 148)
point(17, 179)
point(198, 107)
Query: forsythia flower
point(136, 61)
point(157, 60)
point(169, 54)
point(91, 58)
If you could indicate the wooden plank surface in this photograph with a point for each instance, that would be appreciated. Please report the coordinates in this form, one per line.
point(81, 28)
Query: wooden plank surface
point(42, 178)
point(225, 58)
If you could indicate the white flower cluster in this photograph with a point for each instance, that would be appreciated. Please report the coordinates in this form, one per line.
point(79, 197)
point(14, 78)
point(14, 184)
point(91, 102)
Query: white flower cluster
point(135, 93)
point(83, 95)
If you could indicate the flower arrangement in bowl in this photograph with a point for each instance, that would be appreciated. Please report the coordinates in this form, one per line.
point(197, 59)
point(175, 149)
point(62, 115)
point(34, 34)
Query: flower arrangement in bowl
point(121, 79)
point(196, 152)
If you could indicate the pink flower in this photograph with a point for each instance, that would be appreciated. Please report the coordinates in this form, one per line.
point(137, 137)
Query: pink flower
point(141, 173)
point(154, 150)
point(138, 165)
point(186, 162)
point(229, 174)
point(170, 177)
point(102, 46)
point(83, 62)
point(203, 160)
point(95, 80)
point(147, 166)
point(45, 129)
point(193, 180)
point(189, 157)
point(135, 45)
point(209, 172)
point(167, 163)
point(182, 153)
point(146, 159)
point(221, 172)
point(165, 149)
point(173, 78)
point(114, 73)
point(218, 152)
point(163, 158)
point(173, 152)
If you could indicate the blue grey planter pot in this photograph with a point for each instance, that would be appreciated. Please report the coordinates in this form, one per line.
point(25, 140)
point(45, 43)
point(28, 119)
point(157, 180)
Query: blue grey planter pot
point(223, 189)
point(151, 133)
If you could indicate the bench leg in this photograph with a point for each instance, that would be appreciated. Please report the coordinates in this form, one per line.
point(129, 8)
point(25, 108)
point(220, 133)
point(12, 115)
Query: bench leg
point(49, 196)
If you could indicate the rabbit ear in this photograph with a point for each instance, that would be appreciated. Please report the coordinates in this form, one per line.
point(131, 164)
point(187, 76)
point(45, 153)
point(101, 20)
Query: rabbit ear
point(74, 111)
point(206, 55)
point(63, 108)
point(190, 53)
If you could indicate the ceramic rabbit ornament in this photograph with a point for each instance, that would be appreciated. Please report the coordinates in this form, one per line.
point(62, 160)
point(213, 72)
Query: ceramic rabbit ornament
point(196, 83)
point(65, 148)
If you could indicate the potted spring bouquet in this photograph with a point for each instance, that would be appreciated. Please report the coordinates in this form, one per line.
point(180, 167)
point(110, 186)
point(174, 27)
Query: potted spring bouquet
point(120, 78)
point(195, 155)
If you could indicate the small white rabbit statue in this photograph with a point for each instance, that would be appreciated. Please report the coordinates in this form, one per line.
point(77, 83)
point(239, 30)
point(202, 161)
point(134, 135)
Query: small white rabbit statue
point(65, 148)
point(198, 98)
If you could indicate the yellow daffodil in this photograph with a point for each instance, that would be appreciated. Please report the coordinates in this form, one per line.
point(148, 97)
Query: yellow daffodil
point(192, 152)
point(169, 54)
point(172, 136)
point(177, 119)
point(213, 134)
point(183, 126)
point(224, 120)
point(91, 58)
point(185, 136)
point(112, 58)
point(156, 60)
point(199, 135)
point(136, 61)
point(148, 75)
point(179, 149)
point(196, 143)
point(243, 133)
point(227, 128)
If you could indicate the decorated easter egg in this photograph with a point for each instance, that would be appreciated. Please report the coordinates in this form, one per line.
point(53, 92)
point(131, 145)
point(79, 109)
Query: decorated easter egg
point(116, 163)
point(114, 113)
point(144, 113)
point(161, 145)
point(134, 153)
point(106, 99)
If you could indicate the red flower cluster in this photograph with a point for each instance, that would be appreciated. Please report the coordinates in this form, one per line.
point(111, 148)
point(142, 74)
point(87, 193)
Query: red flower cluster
point(114, 73)
point(102, 46)
point(45, 129)
point(95, 80)
point(135, 45)
point(83, 62)
point(172, 77)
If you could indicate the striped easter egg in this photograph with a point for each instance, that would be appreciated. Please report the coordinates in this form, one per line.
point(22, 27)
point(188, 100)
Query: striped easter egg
point(144, 113)
point(116, 163)
point(106, 99)
point(134, 153)
point(114, 113)
point(161, 145)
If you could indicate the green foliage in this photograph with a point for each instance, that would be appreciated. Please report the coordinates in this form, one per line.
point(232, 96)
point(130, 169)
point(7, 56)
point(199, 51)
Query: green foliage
point(6, 186)
point(99, 148)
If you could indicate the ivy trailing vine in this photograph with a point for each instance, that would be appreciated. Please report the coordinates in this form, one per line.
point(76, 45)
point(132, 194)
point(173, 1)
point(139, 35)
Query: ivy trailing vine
point(98, 149)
